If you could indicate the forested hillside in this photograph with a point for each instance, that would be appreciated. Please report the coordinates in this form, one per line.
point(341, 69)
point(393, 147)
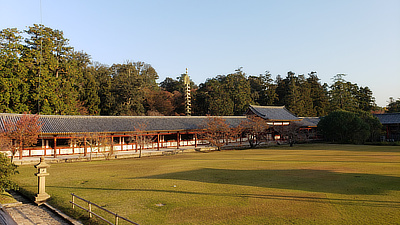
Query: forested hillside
point(41, 73)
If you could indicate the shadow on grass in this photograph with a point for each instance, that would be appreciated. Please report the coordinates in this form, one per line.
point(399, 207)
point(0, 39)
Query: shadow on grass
point(297, 179)
point(337, 201)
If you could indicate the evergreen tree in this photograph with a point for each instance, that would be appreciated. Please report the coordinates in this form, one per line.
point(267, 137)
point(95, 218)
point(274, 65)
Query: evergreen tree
point(224, 95)
point(103, 78)
point(89, 95)
point(318, 94)
point(394, 106)
point(294, 92)
point(263, 89)
point(170, 85)
point(238, 88)
point(14, 87)
point(344, 127)
point(52, 78)
point(366, 101)
point(348, 96)
point(128, 82)
point(341, 94)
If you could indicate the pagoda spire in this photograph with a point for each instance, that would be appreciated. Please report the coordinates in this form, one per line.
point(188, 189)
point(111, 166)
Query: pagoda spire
point(188, 106)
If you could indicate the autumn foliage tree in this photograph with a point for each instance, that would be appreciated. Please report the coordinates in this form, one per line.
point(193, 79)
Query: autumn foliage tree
point(21, 133)
point(290, 132)
point(216, 131)
point(98, 142)
point(140, 137)
point(255, 129)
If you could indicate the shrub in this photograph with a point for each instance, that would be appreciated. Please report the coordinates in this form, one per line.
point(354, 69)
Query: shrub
point(344, 127)
point(7, 169)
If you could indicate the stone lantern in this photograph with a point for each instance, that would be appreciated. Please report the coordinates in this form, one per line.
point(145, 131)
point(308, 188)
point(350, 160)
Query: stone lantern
point(42, 196)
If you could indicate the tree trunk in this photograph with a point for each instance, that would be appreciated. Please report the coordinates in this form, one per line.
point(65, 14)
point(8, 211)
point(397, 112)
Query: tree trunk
point(20, 150)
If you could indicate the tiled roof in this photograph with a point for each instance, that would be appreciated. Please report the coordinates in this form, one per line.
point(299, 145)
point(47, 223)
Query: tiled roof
point(389, 118)
point(273, 113)
point(54, 124)
point(309, 121)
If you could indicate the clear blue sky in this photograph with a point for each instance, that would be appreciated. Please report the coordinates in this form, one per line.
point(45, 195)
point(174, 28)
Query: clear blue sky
point(360, 38)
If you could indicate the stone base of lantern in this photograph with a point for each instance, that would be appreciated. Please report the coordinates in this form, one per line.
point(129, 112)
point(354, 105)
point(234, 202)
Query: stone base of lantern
point(41, 198)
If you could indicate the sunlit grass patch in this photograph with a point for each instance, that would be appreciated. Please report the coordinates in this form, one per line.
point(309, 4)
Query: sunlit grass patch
point(6, 198)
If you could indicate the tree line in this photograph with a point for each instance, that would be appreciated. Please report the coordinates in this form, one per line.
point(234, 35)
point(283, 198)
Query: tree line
point(41, 73)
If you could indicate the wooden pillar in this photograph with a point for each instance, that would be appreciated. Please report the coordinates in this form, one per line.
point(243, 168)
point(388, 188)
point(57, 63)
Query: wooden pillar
point(195, 139)
point(177, 140)
point(45, 146)
point(158, 141)
point(55, 147)
point(136, 143)
point(131, 139)
point(387, 132)
point(84, 147)
point(73, 145)
point(112, 144)
point(121, 141)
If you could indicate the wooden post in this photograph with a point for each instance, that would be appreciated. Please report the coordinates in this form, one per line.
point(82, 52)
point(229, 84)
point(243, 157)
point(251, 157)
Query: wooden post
point(136, 143)
point(73, 201)
point(55, 147)
point(112, 145)
point(177, 140)
point(73, 145)
point(195, 139)
point(45, 146)
point(84, 147)
point(158, 141)
point(116, 219)
point(387, 132)
point(90, 209)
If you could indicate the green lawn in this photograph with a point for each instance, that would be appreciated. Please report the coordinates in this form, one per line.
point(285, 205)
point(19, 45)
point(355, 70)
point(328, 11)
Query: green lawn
point(306, 184)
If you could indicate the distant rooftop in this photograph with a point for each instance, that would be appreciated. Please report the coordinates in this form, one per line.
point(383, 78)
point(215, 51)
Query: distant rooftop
point(309, 121)
point(272, 113)
point(389, 118)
